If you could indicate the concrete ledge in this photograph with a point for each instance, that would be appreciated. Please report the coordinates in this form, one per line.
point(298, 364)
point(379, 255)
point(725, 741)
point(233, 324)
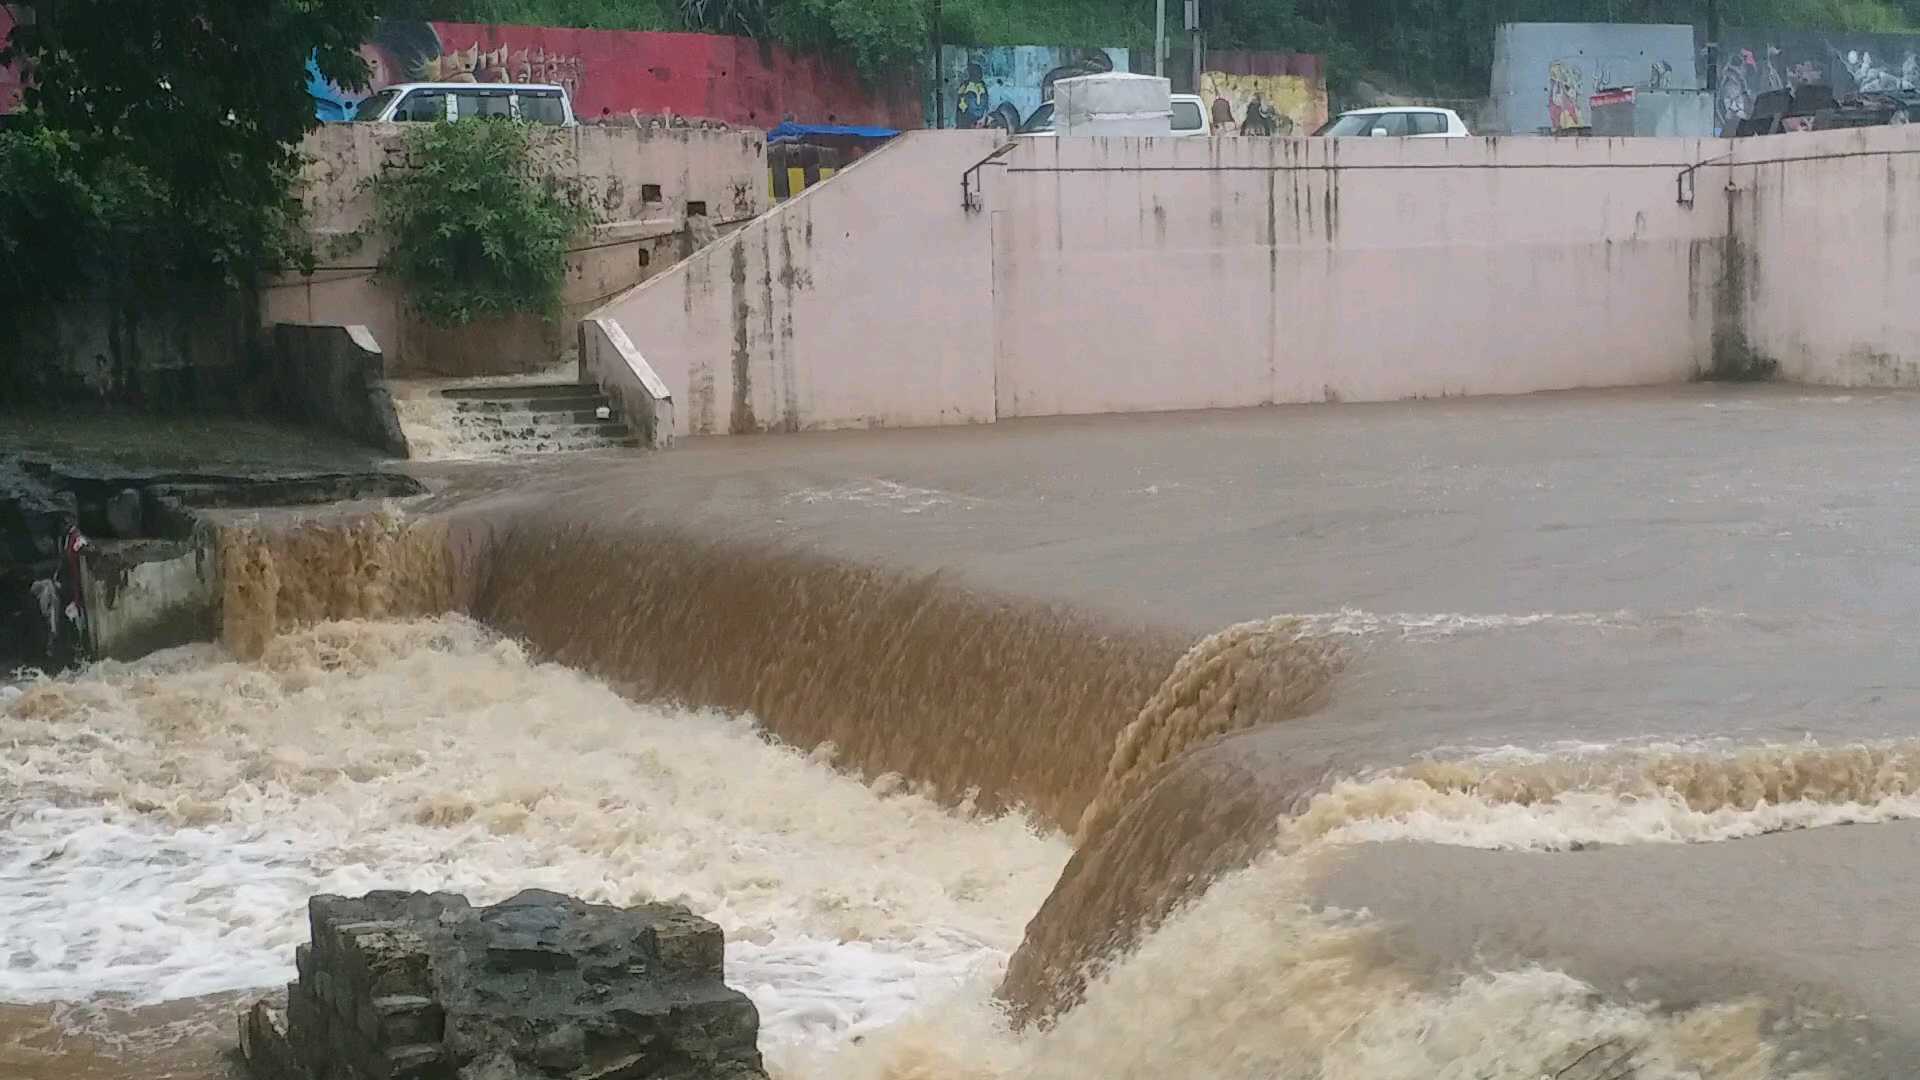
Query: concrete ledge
point(609, 360)
point(334, 376)
point(143, 595)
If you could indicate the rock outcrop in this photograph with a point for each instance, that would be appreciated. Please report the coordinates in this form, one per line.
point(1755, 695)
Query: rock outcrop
point(418, 986)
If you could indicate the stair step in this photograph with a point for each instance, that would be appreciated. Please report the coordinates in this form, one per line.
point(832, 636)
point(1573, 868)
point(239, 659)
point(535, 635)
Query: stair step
point(577, 403)
point(521, 390)
point(512, 417)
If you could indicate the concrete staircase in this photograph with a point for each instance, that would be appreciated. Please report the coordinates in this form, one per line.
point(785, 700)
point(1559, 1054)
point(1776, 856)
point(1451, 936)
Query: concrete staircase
point(526, 418)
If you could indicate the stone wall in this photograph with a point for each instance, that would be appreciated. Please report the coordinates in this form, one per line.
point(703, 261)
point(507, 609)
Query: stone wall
point(416, 986)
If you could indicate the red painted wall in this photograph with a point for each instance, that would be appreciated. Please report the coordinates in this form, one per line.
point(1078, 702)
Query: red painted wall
point(9, 75)
point(701, 76)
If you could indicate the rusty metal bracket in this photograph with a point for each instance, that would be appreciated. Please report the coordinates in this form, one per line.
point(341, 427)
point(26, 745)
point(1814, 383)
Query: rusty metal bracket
point(970, 195)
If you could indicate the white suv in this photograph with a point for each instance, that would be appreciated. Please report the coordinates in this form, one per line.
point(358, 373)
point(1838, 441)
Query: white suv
point(540, 103)
point(1406, 121)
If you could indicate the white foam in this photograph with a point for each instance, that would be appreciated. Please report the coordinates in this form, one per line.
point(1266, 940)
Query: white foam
point(164, 823)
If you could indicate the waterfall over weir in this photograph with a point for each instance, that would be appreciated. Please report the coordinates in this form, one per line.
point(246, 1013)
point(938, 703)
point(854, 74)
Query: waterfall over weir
point(954, 832)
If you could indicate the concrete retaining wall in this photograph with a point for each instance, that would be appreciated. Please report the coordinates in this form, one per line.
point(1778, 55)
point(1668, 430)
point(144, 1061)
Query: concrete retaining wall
point(1121, 275)
point(642, 186)
point(333, 377)
point(1133, 275)
point(862, 302)
point(1827, 225)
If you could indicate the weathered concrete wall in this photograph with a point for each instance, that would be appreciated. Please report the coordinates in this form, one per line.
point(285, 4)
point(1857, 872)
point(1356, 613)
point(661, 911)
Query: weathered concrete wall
point(864, 302)
point(1826, 224)
point(1165, 274)
point(1117, 275)
point(149, 594)
point(183, 350)
point(1544, 73)
point(334, 377)
point(642, 186)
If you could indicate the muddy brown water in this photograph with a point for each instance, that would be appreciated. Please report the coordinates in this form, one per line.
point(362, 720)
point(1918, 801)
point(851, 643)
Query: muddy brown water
point(1672, 577)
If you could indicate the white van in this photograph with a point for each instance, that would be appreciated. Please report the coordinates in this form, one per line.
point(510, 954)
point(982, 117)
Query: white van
point(539, 103)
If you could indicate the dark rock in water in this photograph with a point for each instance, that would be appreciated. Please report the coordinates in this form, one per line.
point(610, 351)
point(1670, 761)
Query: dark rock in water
point(418, 986)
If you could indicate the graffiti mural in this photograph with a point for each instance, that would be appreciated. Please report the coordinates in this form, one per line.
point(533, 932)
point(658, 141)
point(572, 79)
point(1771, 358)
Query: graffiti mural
point(612, 74)
point(1263, 104)
point(1002, 86)
point(1753, 62)
point(1545, 74)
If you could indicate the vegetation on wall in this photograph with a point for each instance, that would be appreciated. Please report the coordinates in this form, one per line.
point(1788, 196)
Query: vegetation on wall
point(1435, 46)
point(160, 139)
point(474, 228)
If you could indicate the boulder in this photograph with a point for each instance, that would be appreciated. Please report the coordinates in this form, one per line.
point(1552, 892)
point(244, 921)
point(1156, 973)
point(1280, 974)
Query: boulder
point(419, 986)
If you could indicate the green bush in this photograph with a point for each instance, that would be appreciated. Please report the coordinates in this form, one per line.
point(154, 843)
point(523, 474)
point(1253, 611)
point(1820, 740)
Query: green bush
point(473, 228)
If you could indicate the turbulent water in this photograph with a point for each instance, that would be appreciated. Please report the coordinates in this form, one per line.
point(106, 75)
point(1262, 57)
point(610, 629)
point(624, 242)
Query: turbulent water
point(166, 821)
point(950, 836)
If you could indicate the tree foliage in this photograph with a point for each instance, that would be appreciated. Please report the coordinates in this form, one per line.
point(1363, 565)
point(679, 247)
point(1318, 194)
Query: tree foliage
point(173, 127)
point(475, 229)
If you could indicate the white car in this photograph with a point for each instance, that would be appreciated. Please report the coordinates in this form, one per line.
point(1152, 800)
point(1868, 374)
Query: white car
point(1189, 119)
point(540, 103)
point(1404, 121)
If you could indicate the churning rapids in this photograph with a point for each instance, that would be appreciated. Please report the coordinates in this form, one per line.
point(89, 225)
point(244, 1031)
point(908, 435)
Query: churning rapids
point(955, 835)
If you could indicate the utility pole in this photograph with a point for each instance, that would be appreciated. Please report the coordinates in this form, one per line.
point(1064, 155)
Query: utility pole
point(1713, 56)
point(1193, 31)
point(1160, 38)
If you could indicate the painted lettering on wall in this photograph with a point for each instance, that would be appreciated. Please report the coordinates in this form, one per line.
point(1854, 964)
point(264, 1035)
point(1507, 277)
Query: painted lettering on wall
point(611, 74)
point(1005, 86)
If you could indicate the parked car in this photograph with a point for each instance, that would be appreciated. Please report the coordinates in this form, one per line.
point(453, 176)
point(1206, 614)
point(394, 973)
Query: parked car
point(540, 103)
point(1189, 119)
point(1404, 121)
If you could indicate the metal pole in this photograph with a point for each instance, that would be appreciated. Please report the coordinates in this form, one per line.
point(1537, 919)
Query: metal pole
point(1160, 38)
point(940, 119)
point(1196, 61)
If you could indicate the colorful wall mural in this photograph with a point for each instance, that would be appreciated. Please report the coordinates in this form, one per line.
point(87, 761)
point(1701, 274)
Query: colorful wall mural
point(610, 74)
point(1260, 93)
point(1002, 86)
point(1753, 62)
point(1545, 74)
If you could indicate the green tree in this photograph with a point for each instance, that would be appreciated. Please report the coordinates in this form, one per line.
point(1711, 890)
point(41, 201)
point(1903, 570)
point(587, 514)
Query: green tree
point(181, 119)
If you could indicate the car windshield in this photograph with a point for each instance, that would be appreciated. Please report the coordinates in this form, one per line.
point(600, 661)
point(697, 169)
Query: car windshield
point(1186, 116)
point(1041, 120)
point(370, 108)
point(1350, 124)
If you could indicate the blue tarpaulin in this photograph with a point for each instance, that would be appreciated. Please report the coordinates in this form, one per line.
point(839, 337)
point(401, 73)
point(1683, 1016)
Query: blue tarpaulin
point(790, 131)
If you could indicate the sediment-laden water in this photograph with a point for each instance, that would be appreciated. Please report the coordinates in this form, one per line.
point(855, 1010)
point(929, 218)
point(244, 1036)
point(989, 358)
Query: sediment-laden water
point(950, 834)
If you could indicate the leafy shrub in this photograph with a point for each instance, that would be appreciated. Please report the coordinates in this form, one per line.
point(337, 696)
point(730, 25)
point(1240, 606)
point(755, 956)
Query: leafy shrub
point(474, 229)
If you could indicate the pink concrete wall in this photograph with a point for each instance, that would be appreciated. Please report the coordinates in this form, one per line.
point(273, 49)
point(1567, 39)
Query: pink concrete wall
point(1135, 275)
point(1828, 224)
point(865, 301)
point(635, 236)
